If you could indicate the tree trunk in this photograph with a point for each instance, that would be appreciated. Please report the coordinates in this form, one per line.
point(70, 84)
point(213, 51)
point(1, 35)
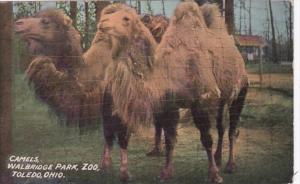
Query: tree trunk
point(163, 8)
point(240, 17)
point(291, 44)
point(138, 6)
point(6, 19)
point(99, 6)
point(86, 25)
point(229, 15)
point(73, 12)
point(250, 17)
point(149, 8)
point(274, 46)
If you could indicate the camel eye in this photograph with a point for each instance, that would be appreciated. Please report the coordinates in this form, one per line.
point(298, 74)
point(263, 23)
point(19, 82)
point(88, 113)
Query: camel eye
point(126, 19)
point(45, 21)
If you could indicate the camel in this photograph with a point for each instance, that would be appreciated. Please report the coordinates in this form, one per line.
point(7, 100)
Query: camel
point(214, 23)
point(188, 71)
point(61, 76)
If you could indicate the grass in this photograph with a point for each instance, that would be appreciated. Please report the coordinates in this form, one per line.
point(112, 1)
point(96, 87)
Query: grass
point(264, 147)
point(274, 77)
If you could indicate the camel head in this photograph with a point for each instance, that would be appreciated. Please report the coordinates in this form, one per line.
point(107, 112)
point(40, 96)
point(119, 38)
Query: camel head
point(125, 28)
point(118, 20)
point(157, 25)
point(47, 32)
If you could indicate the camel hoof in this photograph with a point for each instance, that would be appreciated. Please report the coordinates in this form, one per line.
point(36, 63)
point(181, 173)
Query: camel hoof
point(230, 168)
point(125, 176)
point(155, 153)
point(216, 179)
point(214, 175)
point(106, 165)
point(165, 175)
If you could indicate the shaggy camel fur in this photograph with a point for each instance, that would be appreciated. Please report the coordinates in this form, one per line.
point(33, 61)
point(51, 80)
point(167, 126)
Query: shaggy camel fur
point(189, 71)
point(63, 78)
point(126, 103)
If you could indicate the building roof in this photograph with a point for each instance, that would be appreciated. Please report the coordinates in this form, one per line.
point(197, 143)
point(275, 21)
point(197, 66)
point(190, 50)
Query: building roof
point(250, 40)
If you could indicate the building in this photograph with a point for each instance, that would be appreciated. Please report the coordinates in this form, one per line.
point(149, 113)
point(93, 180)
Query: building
point(251, 47)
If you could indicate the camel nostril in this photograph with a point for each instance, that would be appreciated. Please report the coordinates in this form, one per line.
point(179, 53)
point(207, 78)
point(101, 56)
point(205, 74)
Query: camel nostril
point(104, 20)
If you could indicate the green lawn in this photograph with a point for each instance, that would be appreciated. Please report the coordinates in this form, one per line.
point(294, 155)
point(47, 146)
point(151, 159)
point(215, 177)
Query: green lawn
point(265, 144)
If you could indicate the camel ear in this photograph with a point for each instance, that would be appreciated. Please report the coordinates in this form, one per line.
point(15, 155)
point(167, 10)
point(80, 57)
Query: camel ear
point(67, 21)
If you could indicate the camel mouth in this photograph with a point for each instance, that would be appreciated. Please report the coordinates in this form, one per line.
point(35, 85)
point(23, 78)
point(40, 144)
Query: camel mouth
point(33, 41)
point(105, 29)
point(28, 36)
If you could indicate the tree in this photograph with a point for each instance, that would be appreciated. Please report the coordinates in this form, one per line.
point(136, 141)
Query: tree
point(6, 19)
point(26, 9)
point(289, 28)
point(64, 6)
point(250, 17)
point(86, 25)
point(163, 7)
point(138, 6)
point(274, 46)
point(149, 8)
point(229, 15)
point(73, 12)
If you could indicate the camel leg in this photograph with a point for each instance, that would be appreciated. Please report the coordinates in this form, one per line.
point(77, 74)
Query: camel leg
point(157, 150)
point(123, 139)
point(109, 131)
point(201, 119)
point(106, 158)
point(169, 124)
point(108, 145)
point(234, 114)
point(220, 128)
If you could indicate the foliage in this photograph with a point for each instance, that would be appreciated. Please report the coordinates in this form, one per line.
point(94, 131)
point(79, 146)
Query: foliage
point(149, 8)
point(64, 6)
point(25, 9)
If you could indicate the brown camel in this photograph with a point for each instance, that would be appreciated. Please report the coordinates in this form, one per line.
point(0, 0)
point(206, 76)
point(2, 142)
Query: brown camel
point(189, 71)
point(60, 75)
